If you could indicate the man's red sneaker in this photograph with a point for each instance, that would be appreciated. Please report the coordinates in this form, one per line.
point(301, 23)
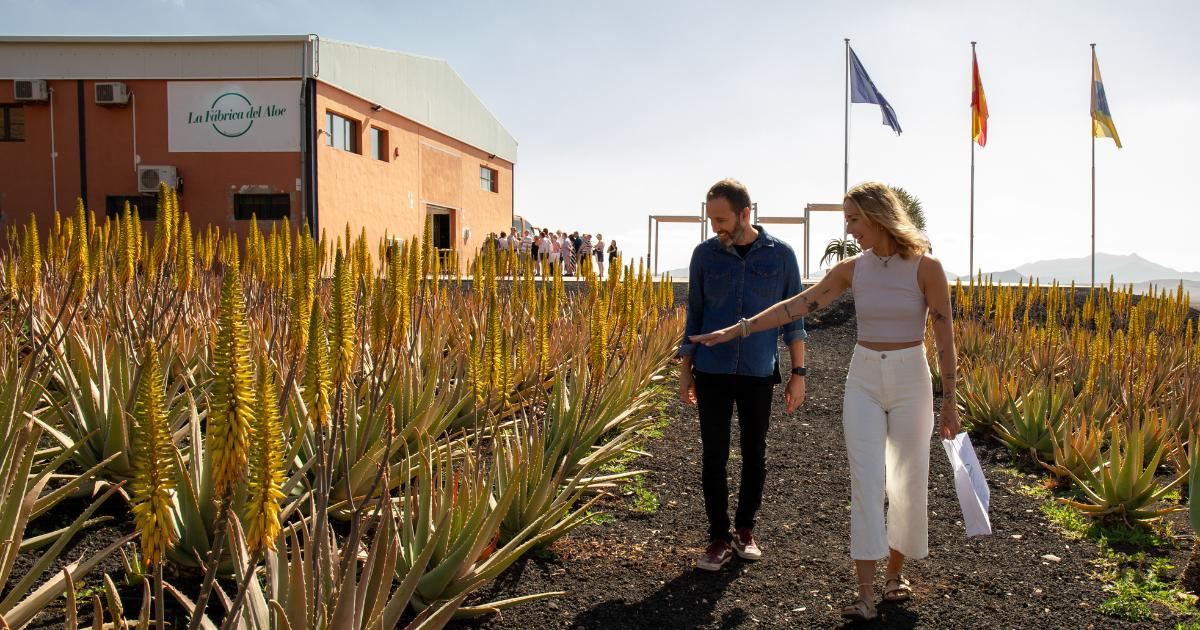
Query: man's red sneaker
point(745, 546)
point(718, 554)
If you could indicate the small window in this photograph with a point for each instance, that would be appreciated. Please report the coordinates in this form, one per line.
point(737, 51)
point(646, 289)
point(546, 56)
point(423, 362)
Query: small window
point(263, 207)
point(379, 144)
point(489, 179)
point(145, 205)
point(12, 123)
point(341, 132)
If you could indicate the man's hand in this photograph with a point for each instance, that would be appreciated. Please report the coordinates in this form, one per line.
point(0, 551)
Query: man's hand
point(687, 386)
point(794, 394)
point(717, 337)
point(949, 421)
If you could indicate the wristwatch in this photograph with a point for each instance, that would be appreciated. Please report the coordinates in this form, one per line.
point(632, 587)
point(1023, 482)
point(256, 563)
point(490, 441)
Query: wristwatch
point(799, 371)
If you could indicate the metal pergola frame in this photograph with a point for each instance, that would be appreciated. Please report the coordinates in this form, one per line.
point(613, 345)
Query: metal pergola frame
point(654, 220)
point(808, 210)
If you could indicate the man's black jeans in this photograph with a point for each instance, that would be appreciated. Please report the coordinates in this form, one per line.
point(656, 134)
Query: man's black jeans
point(716, 395)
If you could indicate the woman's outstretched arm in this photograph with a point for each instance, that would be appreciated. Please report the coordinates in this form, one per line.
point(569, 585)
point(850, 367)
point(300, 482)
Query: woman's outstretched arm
point(811, 300)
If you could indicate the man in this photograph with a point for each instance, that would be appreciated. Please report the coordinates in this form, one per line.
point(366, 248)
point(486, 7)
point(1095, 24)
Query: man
point(585, 251)
point(526, 244)
point(734, 275)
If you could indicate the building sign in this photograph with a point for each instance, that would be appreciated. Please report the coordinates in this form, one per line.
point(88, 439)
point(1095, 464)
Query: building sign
point(248, 116)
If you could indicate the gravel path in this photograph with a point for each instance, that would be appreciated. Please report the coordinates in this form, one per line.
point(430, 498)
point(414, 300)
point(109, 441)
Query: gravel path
point(636, 571)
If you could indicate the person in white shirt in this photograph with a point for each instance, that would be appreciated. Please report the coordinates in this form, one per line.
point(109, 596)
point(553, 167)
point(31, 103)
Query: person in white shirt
point(526, 243)
point(567, 252)
point(555, 248)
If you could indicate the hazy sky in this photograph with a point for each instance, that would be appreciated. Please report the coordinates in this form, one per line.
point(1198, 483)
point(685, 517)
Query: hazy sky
point(623, 109)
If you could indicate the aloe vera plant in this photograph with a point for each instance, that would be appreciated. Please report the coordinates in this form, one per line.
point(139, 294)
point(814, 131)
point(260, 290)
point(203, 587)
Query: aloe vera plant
point(1028, 427)
point(984, 396)
point(1124, 487)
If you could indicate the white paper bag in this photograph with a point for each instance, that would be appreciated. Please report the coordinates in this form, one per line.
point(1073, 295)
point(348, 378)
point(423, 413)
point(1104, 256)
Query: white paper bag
point(972, 488)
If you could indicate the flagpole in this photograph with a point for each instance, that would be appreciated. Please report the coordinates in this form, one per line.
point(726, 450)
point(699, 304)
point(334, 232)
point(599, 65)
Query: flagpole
point(846, 147)
point(1093, 134)
point(971, 264)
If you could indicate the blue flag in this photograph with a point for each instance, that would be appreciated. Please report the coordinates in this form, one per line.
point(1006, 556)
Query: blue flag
point(862, 90)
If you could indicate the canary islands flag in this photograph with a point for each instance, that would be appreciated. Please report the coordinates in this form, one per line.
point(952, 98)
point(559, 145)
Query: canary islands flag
point(1102, 122)
point(979, 113)
point(862, 90)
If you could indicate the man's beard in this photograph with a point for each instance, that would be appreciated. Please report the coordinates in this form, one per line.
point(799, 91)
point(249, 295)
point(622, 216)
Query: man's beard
point(733, 236)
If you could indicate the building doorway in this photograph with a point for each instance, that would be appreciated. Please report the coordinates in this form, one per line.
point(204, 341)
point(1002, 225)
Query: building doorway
point(443, 231)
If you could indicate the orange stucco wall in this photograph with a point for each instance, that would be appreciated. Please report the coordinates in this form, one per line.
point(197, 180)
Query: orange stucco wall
point(424, 168)
point(209, 179)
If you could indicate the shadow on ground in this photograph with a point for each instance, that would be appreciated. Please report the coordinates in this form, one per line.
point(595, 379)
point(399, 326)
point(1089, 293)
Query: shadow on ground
point(688, 601)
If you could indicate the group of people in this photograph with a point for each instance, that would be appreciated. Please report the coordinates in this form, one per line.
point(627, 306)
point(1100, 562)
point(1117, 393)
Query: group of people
point(744, 292)
point(558, 250)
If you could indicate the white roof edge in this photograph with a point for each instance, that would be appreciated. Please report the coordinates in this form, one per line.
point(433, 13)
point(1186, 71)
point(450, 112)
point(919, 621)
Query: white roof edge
point(330, 40)
point(150, 39)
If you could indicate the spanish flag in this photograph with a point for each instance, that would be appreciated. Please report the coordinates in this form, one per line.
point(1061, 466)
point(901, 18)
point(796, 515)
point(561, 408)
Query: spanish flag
point(1102, 122)
point(979, 113)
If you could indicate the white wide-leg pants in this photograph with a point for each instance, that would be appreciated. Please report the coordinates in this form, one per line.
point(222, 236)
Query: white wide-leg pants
point(887, 416)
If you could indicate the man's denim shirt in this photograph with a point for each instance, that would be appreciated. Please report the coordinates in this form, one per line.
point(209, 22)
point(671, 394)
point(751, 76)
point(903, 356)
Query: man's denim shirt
point(723, 288)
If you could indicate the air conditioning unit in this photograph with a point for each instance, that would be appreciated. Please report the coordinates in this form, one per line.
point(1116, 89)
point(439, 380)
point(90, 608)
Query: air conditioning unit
point(112, 93)
point(30, 90)
point(150, 176)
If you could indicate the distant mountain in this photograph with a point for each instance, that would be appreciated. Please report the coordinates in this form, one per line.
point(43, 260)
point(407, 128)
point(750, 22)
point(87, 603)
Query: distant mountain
point(1128, 269)
point(1123, 269)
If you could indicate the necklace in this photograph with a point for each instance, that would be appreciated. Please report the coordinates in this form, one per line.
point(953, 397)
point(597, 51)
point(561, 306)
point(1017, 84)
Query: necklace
point(883, 259)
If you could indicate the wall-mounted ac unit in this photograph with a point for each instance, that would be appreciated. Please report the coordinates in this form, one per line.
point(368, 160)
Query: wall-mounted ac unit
point(112, 93)
point(30, 90)
point(150, 176)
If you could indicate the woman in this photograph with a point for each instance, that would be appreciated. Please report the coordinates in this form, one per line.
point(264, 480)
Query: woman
point(598, 251)
point(613, 252)
point(568, 254)
point(554, 250)
point(887, 412)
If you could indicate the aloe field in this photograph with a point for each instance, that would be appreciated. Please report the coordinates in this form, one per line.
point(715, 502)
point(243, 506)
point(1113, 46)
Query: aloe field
point(298, 431)
point(308, 432)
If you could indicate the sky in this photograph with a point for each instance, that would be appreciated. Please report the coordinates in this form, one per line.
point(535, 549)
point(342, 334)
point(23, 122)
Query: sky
point(626, 109)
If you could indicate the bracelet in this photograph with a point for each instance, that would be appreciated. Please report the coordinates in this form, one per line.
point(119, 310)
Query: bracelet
point(745, 326)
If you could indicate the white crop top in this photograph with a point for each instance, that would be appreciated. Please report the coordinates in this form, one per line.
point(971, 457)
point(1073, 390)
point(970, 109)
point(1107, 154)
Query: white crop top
point(887, 299)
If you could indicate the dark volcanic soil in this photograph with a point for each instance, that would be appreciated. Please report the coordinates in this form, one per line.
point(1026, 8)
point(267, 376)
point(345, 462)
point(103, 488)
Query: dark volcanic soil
point(637, 571)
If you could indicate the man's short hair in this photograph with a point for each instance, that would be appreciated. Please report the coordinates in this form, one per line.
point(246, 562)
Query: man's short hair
point(730, 190)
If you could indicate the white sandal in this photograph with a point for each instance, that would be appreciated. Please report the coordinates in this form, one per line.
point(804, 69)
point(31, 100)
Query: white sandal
point(860, 610)
point(902, 591)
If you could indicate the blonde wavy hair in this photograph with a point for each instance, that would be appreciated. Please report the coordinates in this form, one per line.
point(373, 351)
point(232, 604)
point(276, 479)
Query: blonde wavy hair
point(880, 204)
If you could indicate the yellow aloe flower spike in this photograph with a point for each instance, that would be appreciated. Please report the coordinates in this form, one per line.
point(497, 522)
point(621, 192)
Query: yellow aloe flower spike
point(231, 412)
point(154, 463)
point(316, 368)
point(31, 261)
point(342, 309)
point(186, 256)
point(266, 465)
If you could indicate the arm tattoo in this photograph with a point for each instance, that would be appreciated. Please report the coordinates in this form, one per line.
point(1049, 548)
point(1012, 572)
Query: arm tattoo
point(788, 311)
